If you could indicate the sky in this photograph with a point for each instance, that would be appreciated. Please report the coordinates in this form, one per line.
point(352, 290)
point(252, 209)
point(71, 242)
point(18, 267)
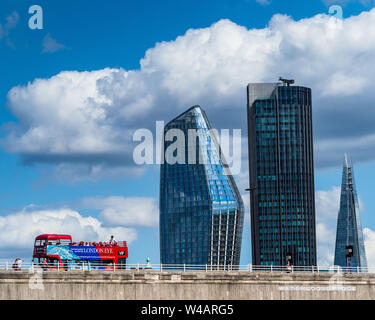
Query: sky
point(73, 93)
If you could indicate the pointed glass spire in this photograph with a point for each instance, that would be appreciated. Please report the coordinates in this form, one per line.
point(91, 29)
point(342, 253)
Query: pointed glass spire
point(349, 228)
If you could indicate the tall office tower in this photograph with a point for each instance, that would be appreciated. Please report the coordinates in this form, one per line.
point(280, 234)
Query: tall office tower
point(281, 170)
point(201, 210)
point(350, 249)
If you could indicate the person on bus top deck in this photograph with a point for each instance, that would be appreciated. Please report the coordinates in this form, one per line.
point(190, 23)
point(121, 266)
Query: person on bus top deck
point(111, 241)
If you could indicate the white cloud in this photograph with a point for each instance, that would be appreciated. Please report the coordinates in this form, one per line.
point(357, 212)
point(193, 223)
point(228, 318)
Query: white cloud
point(88, 118)
point(325, 234)
point(19, 230)
point(325, 238)
point(51, 45)
point(117, 216)
point(121, 211)
point(369, 238)
point(327, 204)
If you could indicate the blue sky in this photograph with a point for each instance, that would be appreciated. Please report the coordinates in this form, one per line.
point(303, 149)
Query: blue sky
point(98, 179)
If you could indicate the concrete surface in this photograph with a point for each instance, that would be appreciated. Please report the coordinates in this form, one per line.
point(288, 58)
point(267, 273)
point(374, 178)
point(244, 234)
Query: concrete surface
point(190, 285)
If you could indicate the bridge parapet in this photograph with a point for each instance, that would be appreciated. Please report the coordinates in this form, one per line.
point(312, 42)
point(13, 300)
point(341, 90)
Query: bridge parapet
point(188, 285)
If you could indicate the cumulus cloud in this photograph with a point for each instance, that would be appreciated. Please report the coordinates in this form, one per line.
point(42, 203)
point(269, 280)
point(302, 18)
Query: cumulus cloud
point(121, 211)
point(327, 204)
point(369, 238)
point(18, 230)
point(51, 45)
point(325, 238)
point(88, 118)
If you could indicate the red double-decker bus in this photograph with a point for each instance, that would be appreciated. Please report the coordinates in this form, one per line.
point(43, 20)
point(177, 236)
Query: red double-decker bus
point(61, 252)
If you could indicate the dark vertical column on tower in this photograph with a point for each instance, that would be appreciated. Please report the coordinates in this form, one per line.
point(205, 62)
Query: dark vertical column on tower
point(281, 168)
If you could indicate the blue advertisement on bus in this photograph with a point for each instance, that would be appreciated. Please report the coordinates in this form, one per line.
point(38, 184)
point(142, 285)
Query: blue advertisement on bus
point(77, 257)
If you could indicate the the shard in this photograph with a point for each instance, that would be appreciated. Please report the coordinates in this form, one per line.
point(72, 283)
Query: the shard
point(350, 248)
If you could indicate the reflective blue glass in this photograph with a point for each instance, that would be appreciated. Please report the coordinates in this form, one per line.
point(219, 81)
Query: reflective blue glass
point(281, 174)
point(349, 228)
point(201, 210)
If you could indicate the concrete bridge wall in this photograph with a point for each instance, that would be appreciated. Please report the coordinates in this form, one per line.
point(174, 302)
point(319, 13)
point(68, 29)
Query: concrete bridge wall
point(168, 285)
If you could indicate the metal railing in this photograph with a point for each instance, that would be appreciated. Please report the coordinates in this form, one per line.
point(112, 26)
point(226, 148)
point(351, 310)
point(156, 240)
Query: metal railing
point(86, 266)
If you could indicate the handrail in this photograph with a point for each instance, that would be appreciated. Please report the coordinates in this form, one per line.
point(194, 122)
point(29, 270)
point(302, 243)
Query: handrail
point(249, 268)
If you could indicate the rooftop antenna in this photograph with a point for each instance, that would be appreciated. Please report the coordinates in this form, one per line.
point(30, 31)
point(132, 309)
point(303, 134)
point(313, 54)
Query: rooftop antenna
point(286, 81)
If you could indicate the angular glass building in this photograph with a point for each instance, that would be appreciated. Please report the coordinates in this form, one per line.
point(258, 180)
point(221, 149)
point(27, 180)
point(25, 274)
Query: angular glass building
point(349, 230)
point(201, 210)
point(281, 167)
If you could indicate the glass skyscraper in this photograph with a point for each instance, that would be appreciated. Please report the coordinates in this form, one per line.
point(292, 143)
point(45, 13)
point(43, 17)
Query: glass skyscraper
point(349, 229)
point(201, 210)
point(281, 168)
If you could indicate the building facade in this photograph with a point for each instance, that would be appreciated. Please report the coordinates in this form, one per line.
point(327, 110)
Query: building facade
point(281, 167)
point(349, 229)
point(201, 210)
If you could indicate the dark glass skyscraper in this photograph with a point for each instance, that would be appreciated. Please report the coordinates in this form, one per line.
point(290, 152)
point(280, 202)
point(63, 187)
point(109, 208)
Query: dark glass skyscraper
point(349, 229)
point(281, 169)
point(201, 210)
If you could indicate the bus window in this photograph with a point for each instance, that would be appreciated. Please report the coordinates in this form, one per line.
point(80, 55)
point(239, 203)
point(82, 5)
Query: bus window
point(53, 242)
point(78, 265)
point(40, 243)
point(96, 264)
point(65, 242)
point(107, 262)
point(121, 263)
point(52, 262)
